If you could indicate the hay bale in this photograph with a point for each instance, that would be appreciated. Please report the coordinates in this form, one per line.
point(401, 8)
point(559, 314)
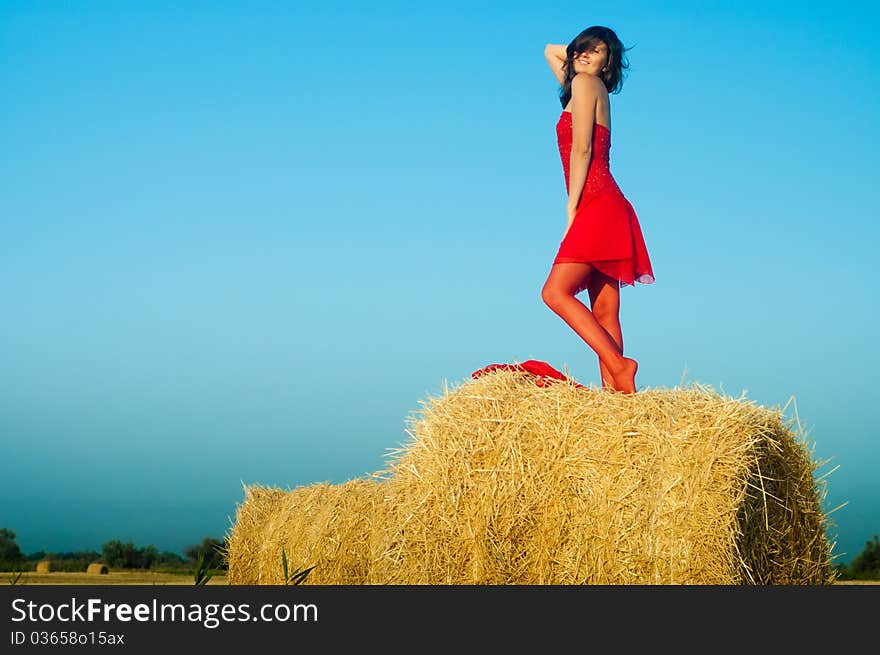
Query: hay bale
point(96, 568)
point(505, 482)
point(509, 483)
point(44, 566)
point(330, 527)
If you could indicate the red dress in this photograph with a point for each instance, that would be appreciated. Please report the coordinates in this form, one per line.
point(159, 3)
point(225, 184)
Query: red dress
point(605, 231)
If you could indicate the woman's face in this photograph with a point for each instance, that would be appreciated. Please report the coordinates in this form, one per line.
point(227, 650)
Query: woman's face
point(591, 61)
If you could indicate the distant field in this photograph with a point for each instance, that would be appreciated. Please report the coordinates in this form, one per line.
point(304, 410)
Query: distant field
point(858, 582)
point(112, 578)
point(147, 577)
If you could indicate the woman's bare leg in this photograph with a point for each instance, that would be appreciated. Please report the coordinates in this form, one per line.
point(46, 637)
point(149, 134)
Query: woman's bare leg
point(559, 295)
point(605, 305)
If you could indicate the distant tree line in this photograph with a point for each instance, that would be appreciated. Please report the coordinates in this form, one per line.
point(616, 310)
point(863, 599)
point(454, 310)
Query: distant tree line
point(114, 553)
point(866, 565)
point(118, 555)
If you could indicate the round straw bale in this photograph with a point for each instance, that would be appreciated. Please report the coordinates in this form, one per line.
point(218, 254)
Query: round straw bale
point(506, 482)
point(44, 566)
point(97, 568)
point(326, 526)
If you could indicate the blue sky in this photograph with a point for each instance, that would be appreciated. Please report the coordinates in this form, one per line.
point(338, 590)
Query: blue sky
point(242, 240)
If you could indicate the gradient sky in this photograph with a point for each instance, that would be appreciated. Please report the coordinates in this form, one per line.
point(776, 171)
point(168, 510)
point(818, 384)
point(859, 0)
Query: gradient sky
point(242, 240)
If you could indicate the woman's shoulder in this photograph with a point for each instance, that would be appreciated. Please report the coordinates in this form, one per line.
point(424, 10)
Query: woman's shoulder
point(588, 82)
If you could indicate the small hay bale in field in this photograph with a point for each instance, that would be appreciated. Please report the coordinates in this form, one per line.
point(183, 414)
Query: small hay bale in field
point(96, 568)
point(506, 482)
point(330, 527)
point(44, 566)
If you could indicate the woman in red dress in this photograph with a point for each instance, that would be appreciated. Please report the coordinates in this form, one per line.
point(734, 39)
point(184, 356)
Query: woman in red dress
point(602, 249)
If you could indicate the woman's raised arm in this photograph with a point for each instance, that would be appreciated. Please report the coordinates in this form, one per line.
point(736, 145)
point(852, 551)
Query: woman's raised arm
point(555, 56)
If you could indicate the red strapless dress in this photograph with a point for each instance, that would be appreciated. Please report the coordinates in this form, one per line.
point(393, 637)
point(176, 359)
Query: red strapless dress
point(606, 231)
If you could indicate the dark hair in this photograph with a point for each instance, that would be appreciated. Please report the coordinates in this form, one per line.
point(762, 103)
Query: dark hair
point(587, 40)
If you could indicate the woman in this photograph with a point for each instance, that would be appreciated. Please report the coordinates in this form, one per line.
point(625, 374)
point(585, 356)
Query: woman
point(602, 248)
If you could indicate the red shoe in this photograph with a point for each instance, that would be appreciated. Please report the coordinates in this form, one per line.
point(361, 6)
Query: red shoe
point(543, 373)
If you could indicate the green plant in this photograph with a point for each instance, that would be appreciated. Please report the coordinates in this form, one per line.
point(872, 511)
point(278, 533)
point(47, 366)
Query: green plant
point(296, 577)
point(15, 578)
point(202, 575)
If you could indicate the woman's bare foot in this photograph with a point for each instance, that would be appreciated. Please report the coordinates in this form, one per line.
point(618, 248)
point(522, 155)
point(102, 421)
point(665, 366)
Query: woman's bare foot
point(625, 377)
